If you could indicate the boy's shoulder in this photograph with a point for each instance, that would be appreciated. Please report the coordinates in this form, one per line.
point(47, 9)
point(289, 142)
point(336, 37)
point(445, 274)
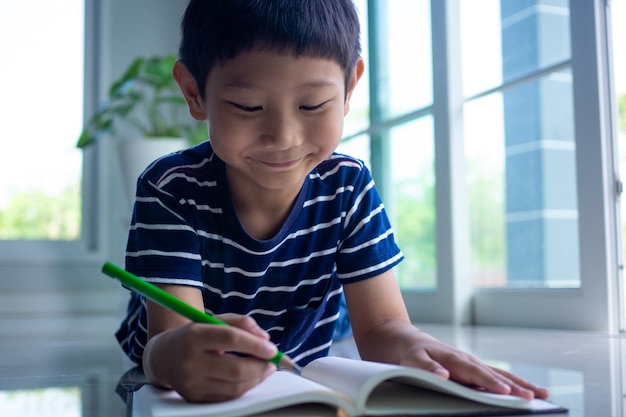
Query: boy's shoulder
point(338, 171)
point(338, 161)
point(197, 161)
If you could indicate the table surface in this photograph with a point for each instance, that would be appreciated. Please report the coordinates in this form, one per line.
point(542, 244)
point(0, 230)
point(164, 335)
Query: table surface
point(77, 376)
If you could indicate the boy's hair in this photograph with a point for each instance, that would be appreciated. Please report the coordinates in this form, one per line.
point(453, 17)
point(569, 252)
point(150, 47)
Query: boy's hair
point(214, 31)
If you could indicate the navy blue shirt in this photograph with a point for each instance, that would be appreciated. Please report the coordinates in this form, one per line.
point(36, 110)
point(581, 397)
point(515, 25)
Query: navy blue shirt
point(185, 231)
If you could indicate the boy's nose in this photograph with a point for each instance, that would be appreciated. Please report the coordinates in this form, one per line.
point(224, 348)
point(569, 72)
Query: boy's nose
point(282, 132)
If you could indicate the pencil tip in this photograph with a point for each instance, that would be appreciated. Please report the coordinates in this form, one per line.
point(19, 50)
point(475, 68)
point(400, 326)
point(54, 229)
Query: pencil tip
point(287, 363)
point(297, 369)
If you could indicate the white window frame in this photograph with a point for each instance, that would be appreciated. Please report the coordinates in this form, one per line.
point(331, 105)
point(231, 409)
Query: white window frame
point(47, 279)
point(55, 285)
point(63, 268)
point(596, 305)
point(89, 245)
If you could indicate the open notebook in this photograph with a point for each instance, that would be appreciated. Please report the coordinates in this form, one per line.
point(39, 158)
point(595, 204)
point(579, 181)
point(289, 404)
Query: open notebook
point(339, 386)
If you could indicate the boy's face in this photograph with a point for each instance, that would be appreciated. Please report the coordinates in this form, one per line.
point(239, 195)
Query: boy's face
point(273, 118)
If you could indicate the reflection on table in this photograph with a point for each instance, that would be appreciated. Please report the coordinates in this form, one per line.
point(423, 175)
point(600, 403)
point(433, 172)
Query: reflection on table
point(47, 376)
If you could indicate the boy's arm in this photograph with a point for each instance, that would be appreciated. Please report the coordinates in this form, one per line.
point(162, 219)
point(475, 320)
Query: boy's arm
point(193, 358)
point(383, 333)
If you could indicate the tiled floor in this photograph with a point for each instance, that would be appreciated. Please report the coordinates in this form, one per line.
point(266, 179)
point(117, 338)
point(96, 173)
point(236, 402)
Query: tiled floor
point(584, 371)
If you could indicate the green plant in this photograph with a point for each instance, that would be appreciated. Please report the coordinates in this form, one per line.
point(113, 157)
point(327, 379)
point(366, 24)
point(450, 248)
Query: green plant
point(147, 100)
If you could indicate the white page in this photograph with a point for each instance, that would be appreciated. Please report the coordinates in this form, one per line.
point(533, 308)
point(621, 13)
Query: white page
point(358, 378)
point(280, 389)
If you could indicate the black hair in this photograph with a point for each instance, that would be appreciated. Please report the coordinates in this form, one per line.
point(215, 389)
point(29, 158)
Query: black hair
point(214, 31)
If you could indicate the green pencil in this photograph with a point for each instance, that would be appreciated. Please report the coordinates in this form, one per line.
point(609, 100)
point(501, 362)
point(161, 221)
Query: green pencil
point(175, 304)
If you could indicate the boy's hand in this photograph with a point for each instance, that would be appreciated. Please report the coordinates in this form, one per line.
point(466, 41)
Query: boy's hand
point(432, 355)
point(383, 332)
point(195, 359)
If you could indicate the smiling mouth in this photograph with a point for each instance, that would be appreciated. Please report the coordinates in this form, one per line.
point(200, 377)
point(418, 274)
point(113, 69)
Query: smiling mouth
point(285, 164)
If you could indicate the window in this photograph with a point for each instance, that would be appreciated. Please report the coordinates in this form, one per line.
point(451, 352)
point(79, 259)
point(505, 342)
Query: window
point(520, 144)
point(398, 131)
point(489, 141)
point(452, 128)
point(42, 100)
point(52, 216)
point(412, 211)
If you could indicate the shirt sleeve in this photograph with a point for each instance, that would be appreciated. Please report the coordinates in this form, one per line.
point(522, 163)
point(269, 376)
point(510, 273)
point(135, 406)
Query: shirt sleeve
point(368, 247)
point(163, 246)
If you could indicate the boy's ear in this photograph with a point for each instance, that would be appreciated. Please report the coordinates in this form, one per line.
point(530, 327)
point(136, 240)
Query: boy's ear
point(190, 90)
point(357, 72)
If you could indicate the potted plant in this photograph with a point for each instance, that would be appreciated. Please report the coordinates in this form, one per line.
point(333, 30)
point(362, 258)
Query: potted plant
point(146, 114)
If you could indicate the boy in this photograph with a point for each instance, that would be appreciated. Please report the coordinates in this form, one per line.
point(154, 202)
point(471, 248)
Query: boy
point(264, 225)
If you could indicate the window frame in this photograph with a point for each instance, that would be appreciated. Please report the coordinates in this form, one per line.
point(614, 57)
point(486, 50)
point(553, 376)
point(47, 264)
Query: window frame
point(598, 214)
point(91, 242)
point(454, 301)
point(596, 306)
point(55, 286)
point(45, 280)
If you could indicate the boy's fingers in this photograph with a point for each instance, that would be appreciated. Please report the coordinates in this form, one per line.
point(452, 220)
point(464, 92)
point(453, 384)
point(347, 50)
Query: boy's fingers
point(244, 322)
point(217, 363)
point(224, 377)
point(539, 392)
point(423, 360)
point(495, 380)
point(232, 339)
point(468, 370)
point(473, 372)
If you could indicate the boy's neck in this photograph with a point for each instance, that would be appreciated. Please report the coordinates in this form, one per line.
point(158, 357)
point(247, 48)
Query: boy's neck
point(263, 212)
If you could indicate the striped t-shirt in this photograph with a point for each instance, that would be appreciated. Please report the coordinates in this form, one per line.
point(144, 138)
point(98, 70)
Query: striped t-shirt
point(185, 231)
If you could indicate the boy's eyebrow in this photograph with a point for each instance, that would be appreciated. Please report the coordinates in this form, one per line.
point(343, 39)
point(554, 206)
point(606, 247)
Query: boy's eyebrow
point(319, 84)
point(243, 85)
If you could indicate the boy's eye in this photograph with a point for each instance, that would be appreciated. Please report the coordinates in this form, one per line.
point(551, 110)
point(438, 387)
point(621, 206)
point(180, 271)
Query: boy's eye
point(249, 109)
point(313, 108)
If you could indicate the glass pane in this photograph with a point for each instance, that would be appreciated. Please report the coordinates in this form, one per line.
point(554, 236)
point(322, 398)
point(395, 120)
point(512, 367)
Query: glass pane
point(504, 40)
point(412, 204)
point(485, 165)
point(358, 118)
point(481, 42)
point(521, 152)
point(405, 58)
point(41, 80)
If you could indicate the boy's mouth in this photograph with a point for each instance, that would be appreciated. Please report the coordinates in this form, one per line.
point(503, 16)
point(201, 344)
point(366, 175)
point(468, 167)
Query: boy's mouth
point(281, 164)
